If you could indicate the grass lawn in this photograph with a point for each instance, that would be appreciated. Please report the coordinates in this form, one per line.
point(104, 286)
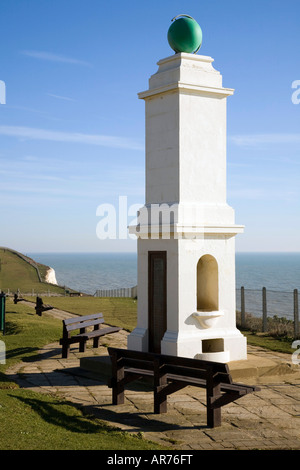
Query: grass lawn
point(117, 311)
point(279, 344)
point(26, 332)
point(34, 421)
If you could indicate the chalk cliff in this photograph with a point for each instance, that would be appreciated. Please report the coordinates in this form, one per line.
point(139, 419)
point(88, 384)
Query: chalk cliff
point(50, 276)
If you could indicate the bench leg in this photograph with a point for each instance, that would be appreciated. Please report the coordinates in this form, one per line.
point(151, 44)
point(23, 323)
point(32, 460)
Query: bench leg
point(96, 340)
point(118, 394)
point(82, 342)
point(213, 414)
point(65, 351)
point(160, 401)
point(117, 381)
point(213, 417)
point(160, 381)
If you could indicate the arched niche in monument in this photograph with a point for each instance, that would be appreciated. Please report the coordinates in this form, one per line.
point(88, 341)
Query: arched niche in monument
point(207, 284)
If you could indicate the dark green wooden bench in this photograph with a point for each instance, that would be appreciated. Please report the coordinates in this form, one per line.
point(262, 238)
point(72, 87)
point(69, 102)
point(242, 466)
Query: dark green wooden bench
point(170, 374)
point(83, 323)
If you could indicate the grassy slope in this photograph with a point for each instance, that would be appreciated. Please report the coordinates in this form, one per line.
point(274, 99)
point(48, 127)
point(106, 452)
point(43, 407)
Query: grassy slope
point(16, 273)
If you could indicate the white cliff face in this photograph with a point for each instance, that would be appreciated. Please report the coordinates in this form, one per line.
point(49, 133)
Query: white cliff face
point(50, 276)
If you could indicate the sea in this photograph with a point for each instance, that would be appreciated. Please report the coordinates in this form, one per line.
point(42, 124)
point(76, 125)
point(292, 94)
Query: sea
point(279, 273)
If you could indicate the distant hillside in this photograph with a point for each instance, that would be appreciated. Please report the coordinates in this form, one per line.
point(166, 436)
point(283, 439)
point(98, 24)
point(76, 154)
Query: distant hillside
point(18, 271)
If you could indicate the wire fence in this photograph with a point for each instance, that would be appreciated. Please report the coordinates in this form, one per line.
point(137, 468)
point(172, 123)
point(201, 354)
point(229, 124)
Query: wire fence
point(268, 310)
point(122, 292)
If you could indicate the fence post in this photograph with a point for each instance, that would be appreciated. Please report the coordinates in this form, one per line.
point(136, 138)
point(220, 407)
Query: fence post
point(243, 313)
point(264, 306)
point(296, 314)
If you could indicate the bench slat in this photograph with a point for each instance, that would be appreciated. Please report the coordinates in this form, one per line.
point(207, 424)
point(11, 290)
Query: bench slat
point(131, 354)
point(80, 318)
point(101, 332)
point(195, 363)
point(84, 324)
point(137, 363)
point(246, 388)
point(196, 372)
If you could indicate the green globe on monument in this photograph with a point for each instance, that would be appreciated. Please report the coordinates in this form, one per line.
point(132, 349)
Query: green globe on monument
point(185, 34)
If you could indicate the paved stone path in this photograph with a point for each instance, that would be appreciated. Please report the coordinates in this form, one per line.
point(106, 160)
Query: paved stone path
point(269, 419)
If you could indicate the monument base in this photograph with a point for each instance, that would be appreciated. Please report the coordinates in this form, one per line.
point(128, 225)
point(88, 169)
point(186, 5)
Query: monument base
point(138, 339)
point(222, 356)
point(219, 345)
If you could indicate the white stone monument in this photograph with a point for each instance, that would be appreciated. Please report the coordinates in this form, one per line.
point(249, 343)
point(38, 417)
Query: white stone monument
point(186, 231)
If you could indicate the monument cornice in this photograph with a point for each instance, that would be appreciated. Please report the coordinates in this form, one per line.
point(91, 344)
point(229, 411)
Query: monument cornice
point(184, 229)
point(187, 88)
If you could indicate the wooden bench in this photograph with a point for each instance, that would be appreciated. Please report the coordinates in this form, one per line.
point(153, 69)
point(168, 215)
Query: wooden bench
point(40, 307)
point(81, 323)
point(170, 374)
point(17, 299)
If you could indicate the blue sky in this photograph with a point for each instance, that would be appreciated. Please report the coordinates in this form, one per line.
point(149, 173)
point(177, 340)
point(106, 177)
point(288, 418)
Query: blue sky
point(72, 128)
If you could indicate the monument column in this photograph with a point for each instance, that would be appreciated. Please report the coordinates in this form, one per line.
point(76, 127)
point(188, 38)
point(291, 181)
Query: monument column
point(186, 231)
